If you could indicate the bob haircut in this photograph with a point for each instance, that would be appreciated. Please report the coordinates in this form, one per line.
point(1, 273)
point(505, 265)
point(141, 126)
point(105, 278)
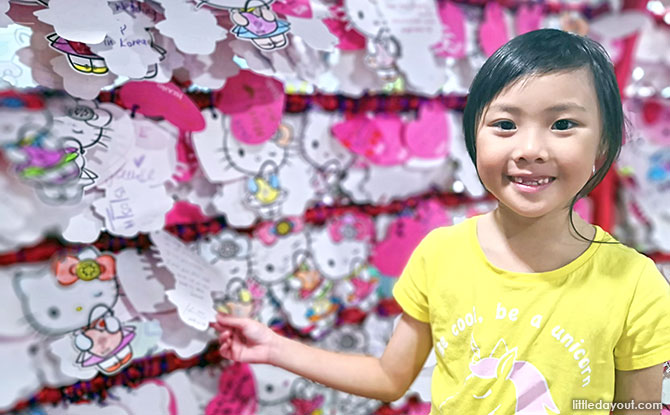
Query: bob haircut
point(542, 52)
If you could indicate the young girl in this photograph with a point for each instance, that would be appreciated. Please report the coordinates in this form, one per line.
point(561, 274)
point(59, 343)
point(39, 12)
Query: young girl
point(530, 309)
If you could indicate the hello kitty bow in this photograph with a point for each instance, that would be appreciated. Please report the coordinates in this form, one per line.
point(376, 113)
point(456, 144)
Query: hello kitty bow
point(70, 269)
point(270, 232)
point(351, 226)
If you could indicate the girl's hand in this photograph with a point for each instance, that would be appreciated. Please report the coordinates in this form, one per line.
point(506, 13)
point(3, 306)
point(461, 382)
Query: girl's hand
point(243, 339)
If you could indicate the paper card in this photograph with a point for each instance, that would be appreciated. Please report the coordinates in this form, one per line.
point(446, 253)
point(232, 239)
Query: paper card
point(180, 337)
point(236, 392)
point(295, 8)
point(452, 44)
point(246, 90)
point(86, 22)
point(493, 30)
point(86, 226)
point(101, 134)
point(259, 123)
point(180, 382)
point(16, 358)
point(4, 19)
point(88, 333)
point(180, 19)
point(391, 254)
point(313, 32)
point(129, 50)
point(37, 56)
point(381, 184)
point(130, 207)
point(256, 60)
point(172, 59)
point(428, 136)
point(144, 282)
point(273, 389)
point(78, 84)
point(321, 149)
point(256, 22)
point(194, 279)
point(163, 100)
point(378, 139)
point(415, 26)
point(229, 252)
point(528, 18)
point(353, 76)
point(216, 67)
point(13, 325)
point(153, 159)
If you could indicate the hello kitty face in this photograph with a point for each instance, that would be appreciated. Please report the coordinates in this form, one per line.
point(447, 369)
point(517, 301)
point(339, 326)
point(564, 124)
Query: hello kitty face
point(273, 385)
point(273, 263)
point(365, 16)
point(250, 159)
point(319, 146)
point(53, 308)
point(336, 260)
point(85, 125)
point(228, 251)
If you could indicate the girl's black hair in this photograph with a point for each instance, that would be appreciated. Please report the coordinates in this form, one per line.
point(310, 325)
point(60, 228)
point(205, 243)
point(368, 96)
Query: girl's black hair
point(542, 52)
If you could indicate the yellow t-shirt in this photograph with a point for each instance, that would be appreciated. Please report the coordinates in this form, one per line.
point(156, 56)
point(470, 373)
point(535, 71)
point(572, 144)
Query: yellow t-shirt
point(531, 343)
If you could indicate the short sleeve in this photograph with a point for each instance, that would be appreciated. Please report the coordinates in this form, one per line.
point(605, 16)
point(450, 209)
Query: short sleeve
point(645, 340)
point(410, 291)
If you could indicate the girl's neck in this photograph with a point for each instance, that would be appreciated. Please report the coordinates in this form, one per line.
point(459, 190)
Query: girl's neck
point(522, 244)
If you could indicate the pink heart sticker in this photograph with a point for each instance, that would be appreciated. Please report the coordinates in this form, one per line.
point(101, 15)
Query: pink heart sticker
point(452, 43)
point(297, 8)
point(528, 18)
point(247, 89)
point(378, 139)
point(492, 31)
point(403, 235)
point(428, 136)
point(259, 123)
point(163, 100)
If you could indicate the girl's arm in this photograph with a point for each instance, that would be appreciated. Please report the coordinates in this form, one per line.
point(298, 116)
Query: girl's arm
point(641, 386)
point(386, 378)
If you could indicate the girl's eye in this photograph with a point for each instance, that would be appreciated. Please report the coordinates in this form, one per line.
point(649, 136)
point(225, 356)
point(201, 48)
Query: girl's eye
point(505, 125)
point(563, 125)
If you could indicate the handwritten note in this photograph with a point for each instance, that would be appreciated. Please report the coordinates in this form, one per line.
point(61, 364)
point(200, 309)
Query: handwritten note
point(194, 280)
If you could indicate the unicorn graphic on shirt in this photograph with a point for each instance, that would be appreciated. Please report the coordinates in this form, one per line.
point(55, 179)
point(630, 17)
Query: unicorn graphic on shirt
point(499, 376)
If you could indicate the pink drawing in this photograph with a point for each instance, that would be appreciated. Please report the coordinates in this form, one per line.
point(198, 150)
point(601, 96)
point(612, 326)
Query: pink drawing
point(187, 161)
point(428, 136)
point(452, 43)
point(528, 18)
point(379, 139)
point(499, 375)
point(259, 123)
point(338, 25)
point(492, 31)
point(297, 8)
point(403, 235)
point(163, 100)
point(237, 392)
point(247, 89)
point(655, 126)
point(308, 406)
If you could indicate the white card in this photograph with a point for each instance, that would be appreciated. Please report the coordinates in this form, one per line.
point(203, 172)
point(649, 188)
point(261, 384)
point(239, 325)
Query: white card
point(130, 207)
point(194, 279)
point(181, 19)
point(144, 281)
point(129, 49)
point(314, 33)
point(86, 22)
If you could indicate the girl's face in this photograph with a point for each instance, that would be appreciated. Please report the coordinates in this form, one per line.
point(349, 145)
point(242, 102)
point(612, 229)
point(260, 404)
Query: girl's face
point(544, 132)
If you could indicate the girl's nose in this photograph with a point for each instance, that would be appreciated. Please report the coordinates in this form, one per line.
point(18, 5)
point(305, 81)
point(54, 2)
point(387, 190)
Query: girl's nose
point(531, 147)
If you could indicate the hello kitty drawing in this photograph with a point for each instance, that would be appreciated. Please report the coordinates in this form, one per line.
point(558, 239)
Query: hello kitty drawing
point(38, 157)
point(382, 47)
point(76, 296)
point(255, 21)
point(501, 376)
